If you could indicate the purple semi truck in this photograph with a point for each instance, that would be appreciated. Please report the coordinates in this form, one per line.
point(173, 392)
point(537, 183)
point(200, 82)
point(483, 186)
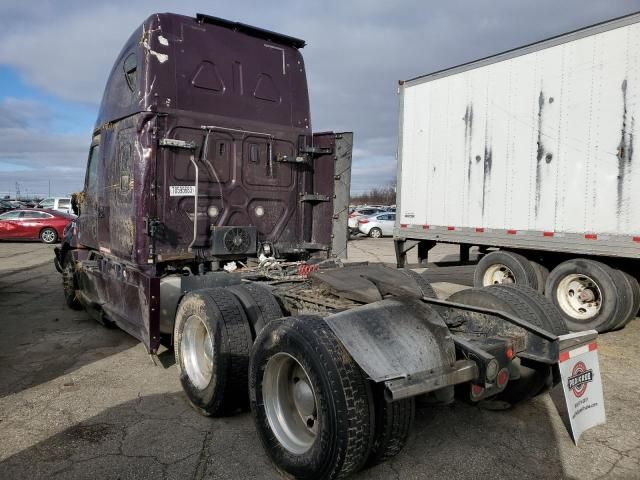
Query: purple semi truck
point(212, 221)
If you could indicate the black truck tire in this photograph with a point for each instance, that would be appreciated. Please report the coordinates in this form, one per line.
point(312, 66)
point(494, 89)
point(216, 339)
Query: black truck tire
point(422, 283)
point(69, 284)
point(633, 288)
point(212, 342)
point(260, 305)
point(531, 381)
point(301, 356)
point(542, 273)
point(393, 422)
point(554, 322)
point(504, 267)
point(611, 294)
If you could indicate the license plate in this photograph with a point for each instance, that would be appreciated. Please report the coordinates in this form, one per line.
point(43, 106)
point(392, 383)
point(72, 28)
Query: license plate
point(582, 387)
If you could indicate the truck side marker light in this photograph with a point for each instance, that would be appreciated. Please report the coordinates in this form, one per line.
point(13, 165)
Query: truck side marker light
point(636, 239)
point(548, 234)
point(451, 228)
point(425, 227)
point(403, 225)
point(591, 236)
point(512, 232)
point(480, 230)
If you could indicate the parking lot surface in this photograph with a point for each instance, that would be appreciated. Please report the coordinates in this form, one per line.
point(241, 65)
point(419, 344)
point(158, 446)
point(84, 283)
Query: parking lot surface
point(78, 400)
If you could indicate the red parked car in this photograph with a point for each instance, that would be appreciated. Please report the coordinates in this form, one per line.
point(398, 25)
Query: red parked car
point(45, 225)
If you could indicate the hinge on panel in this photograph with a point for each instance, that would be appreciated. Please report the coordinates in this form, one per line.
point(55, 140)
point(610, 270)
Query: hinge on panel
point(287, 159)
point(174, 143)
point(313, 197)
point(316, 150)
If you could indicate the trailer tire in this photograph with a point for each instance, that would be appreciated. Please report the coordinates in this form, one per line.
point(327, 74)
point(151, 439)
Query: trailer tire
point(531, 381)
point(569, 279)
point(334, 398)
point(633, 288)
point(504, 267)
point(212, 333)
point(260, 305)
point(423, 285)
point(542, 273)
point(393, 422)
point(69, 284)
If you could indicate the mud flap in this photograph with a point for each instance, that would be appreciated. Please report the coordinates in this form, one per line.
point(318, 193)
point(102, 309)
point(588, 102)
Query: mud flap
point(581, 382)
point(395, 339)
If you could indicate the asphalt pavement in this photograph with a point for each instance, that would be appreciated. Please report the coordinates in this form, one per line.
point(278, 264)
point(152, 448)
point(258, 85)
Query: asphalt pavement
point(78, 400)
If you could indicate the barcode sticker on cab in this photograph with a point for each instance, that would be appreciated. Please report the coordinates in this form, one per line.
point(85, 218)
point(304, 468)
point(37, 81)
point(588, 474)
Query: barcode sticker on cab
point(182, 190)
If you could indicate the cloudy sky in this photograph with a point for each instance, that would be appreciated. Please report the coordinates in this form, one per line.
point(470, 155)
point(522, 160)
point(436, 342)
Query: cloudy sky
point(55, 57)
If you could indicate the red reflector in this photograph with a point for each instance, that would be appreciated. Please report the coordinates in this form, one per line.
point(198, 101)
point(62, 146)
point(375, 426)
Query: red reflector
point(425, 227)
point(480, 230)
point(591, 236)
point(503, 377)
point(593, 346)
point(548, 234)
point(403, 225)
point(476, 390)
point(509, 353)
point(451, 228)
point(636, 239)
point(564, 356)
point(512, 232)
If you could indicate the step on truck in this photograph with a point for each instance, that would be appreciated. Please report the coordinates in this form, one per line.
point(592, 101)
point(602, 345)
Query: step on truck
point(529, 155)
point(212, 222)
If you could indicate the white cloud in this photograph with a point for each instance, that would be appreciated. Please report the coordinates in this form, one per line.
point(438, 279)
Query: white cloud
point(356, 51)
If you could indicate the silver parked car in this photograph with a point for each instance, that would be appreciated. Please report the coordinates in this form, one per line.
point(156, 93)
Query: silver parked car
point(377, 225)
point(359, 213)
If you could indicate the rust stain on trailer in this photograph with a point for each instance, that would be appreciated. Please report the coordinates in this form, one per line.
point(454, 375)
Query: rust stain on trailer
point(540, 154)
point(468, 136)
point(486, 177)
point(625, 149)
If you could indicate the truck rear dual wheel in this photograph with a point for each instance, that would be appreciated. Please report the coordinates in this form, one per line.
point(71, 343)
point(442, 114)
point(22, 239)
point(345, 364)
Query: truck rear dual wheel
point(260, 305)
point(591, 295)
point(526, 304)
point(69, 284)
point(507, 268)
point(317, 415)
point(212, 342)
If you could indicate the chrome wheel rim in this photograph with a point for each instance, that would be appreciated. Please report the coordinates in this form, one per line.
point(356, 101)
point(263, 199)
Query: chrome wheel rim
point(290, 403)
point(196, 350)
point(498, 274)
point(579, 296)
point(48, 236)
point(375, 233)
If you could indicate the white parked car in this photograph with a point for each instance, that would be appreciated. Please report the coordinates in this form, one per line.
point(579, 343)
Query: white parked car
point(61, 204)
point(377, 225)
point(358, 213)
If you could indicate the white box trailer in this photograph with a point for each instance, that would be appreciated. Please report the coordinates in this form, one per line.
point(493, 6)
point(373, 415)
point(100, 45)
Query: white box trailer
point(532, 151)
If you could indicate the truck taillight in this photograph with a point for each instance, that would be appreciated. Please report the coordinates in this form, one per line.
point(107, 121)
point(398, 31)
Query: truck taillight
point(503, 377)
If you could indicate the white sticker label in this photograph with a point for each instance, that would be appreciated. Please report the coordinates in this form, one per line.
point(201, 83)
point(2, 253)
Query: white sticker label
point(582, 387)
point(182, 190)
